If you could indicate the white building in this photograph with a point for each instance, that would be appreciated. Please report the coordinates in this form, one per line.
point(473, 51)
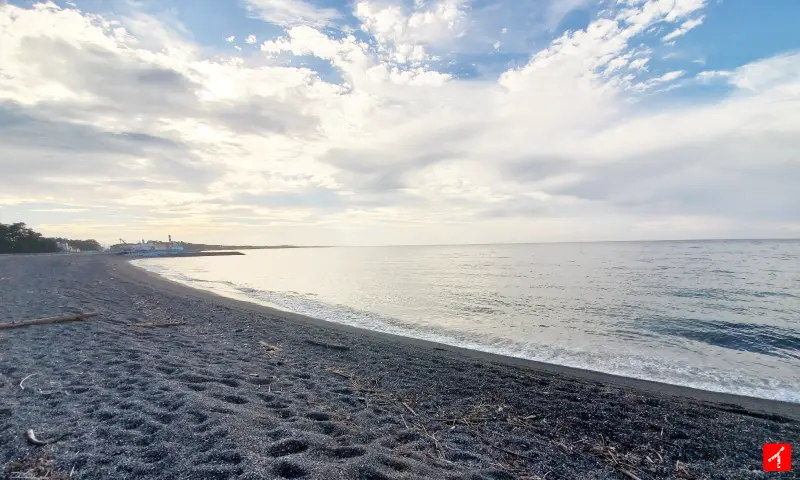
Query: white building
point(65, 247)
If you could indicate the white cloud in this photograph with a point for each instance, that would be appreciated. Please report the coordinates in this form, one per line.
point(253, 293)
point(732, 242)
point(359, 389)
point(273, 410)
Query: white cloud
point(652, 11)
point(671, 76)
point(291, 12)
point(659, 81)
point(59, 210)
point(639, 63)
point(759, 76)
point(710, 76)
point(683, 29)
point(251, 39)
point(560, 148)
point(230, 39)
point(403, 36)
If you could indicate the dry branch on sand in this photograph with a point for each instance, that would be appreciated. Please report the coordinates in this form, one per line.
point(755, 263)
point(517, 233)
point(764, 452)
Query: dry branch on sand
point(409, 408)
point(78, 317)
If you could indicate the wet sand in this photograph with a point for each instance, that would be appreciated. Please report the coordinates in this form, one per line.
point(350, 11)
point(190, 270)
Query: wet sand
point(206, 399)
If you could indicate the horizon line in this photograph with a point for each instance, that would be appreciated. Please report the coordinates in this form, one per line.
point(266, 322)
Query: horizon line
point(686, 240)
point(782, 239)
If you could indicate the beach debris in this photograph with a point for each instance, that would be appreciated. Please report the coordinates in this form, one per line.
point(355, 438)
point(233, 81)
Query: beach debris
point(157, 325)
point(48, 320)
point(23, 381)
point(404, 421)
point(408, 407)
point(498, 447)
point(31, 436)
point(681, 469)
point(269, 348)
point(436, 443)
point(340, 372)
point(623, 462)
point(40, 465)
point(332, 346)
point(628, 474)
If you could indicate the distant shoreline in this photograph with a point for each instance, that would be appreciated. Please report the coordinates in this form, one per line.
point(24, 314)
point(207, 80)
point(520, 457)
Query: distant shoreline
point(257, 247)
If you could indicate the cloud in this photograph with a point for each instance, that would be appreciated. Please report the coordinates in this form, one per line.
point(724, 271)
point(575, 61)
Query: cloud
point(683, 29)
point(711, 176)
point(769, 73)
point(332, 136)
point(660, 80)
point(251, 39)
point(639, 63)
point(59, 210)
point(291, 12)
point(55, 156)
point(645, 13)
point(710, 76)
point(403, 37)
point(117, 79)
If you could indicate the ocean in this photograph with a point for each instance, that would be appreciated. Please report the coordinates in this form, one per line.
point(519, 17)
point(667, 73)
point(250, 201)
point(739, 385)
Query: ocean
point(715, 315)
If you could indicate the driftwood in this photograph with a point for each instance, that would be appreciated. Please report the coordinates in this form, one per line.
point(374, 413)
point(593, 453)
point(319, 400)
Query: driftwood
point(342, 348)
point(31, 436)
point(78, 317)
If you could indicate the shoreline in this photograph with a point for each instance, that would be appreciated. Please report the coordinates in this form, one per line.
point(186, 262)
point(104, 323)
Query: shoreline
point(170, 382)
point(780, 407)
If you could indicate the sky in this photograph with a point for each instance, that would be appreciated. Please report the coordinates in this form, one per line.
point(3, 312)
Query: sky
point(374, 122)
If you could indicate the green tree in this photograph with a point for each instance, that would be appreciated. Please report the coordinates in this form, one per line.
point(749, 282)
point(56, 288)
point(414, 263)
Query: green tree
point(18, 238)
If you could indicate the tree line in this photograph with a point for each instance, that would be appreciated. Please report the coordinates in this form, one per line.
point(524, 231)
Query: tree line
point(19, 238)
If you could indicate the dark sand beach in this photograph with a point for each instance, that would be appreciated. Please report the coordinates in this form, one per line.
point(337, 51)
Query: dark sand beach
point(206, 399)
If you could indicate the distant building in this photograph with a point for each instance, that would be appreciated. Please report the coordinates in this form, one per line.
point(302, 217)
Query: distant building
point(152, 248)
point(65, 247)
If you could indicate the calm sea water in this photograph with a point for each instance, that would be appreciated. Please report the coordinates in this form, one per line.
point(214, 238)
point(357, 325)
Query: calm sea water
point(715, 315)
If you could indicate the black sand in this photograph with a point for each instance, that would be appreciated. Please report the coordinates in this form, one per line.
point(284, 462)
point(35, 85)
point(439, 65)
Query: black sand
point(206, 400)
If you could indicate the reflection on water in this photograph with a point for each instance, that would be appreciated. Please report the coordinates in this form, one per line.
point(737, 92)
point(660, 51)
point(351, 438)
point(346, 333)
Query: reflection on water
point(716, 315)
